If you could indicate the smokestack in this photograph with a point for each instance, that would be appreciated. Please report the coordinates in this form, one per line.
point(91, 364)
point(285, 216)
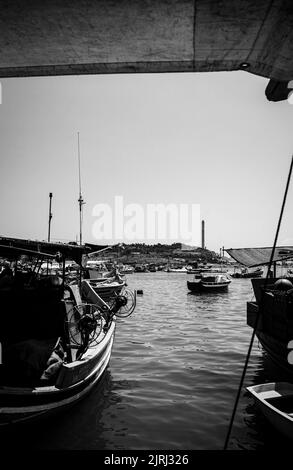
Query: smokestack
point(202, 235)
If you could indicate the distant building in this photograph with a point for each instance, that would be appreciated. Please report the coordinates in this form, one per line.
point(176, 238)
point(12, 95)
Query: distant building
point(185, 249)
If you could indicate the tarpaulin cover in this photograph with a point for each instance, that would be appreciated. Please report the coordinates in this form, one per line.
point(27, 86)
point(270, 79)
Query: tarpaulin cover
point(53, 37)
point(259, 256)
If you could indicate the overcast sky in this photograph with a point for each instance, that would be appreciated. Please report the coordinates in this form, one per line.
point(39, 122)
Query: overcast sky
point(211, 139)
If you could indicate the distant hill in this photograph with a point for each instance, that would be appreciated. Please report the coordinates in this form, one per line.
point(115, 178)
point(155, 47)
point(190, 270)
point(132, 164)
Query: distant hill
point(162, 253)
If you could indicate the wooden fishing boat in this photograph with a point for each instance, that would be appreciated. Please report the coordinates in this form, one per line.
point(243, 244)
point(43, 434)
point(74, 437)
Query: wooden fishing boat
point(209, 283)
point(55, 341)
point(275, 400)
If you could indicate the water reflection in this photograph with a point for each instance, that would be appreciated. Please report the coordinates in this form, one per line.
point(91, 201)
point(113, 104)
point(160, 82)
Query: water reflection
point(80, 427)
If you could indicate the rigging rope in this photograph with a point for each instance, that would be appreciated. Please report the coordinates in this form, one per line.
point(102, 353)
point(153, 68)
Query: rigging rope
point(259, 310)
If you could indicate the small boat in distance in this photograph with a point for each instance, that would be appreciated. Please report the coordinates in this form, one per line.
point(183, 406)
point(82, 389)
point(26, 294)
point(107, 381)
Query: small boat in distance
point(201, 268)
point(275, 400)
point(245, 273)
point(126, 269)
point(176, 270)
point(209, 283)
point(140, 268)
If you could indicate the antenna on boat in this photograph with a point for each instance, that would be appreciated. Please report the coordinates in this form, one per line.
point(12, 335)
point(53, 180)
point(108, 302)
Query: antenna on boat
point(80, 200)
point(50, 215)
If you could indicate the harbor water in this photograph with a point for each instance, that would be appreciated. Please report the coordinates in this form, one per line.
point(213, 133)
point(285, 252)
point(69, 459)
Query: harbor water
point(172, 379)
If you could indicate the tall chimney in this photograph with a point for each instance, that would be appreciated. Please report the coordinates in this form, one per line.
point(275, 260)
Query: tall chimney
point(202, 235)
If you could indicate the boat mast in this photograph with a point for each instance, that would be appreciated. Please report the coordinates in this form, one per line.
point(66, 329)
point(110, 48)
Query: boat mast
point(80, 200)
point(222, 259)
point(50, 215)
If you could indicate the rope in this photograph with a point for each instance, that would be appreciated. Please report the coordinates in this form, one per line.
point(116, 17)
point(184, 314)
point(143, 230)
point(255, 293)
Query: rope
point(260, 309)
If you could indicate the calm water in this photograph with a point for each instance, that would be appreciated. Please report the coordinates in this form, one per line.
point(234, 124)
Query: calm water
point(172, 379)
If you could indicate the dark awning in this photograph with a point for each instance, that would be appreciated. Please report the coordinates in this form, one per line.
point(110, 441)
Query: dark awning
point(52, 37)
point(12, 248)
point(251, 257)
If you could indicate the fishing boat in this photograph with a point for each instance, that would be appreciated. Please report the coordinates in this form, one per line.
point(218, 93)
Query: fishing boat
point(275, 401)
point(209, 283)
point(271, 311)
point(106, 286)
point(55, 338)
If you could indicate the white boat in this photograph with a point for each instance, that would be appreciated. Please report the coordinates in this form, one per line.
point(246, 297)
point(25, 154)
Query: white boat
point(177, 270)
point(275, 400)
point(209, 283)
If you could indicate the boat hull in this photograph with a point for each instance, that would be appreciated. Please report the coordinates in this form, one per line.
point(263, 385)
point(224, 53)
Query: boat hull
point(198, 286)
point(275, 401)
point(74, 382)
point(277, 352)
point(215, 287)
point(274, 332)
point(193, 286)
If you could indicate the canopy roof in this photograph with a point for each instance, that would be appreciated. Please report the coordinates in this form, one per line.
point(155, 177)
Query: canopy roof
point(53, 37)
point(251, 257)
point(12, 248)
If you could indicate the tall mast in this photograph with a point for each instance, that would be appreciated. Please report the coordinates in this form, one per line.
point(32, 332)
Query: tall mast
point(80, 200)
point(50, 216)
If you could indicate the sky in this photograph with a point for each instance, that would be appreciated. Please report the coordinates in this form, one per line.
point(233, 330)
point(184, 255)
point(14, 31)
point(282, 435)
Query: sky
point(207, 139)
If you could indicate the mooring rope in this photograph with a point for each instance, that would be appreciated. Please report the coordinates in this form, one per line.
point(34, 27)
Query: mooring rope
point(259, 310)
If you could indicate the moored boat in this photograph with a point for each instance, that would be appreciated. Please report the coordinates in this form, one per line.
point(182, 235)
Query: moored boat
point(126, 269)
point(55, 341)
point(107, 289)
point(140, 268)
point(176, 270)
point(271, 312)
point(199, 269)
point(275, 401)
point(209, 283)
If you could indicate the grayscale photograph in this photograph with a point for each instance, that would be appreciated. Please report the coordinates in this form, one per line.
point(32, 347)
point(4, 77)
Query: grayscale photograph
point(146, 232)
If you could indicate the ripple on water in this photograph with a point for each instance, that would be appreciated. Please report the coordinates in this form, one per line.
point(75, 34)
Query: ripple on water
point(173, 376)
